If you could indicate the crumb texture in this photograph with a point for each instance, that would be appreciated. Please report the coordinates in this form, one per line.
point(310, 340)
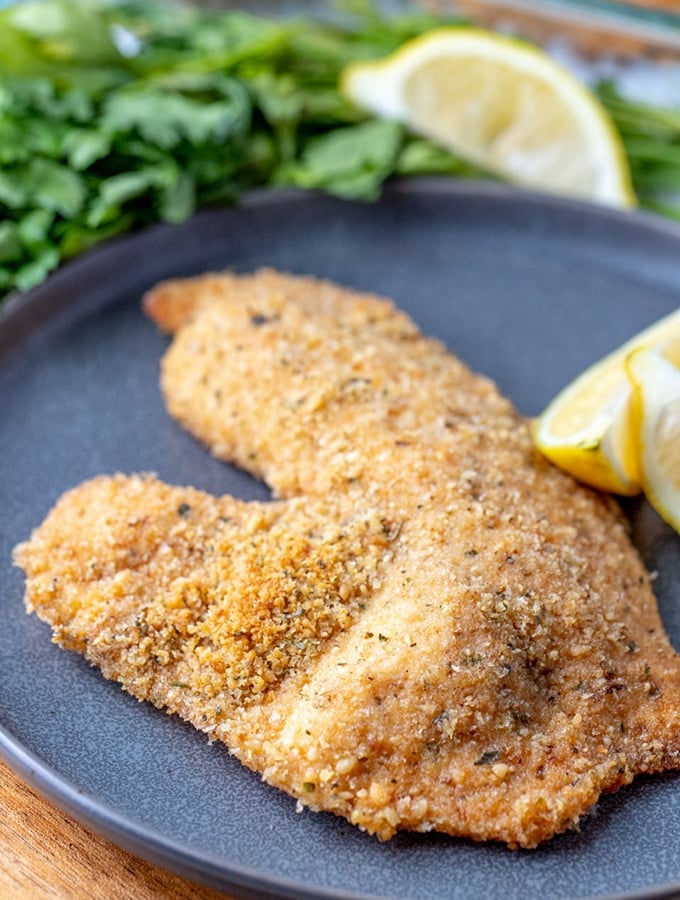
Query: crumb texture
point(429, 628)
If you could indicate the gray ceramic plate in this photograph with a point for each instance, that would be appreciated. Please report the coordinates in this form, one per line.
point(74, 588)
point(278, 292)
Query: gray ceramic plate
point(529, 290)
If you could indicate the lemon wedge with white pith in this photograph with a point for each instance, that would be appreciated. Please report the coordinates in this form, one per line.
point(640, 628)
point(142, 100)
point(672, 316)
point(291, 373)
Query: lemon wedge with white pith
point(587, 429)
point(502, 104)
point(656, 423)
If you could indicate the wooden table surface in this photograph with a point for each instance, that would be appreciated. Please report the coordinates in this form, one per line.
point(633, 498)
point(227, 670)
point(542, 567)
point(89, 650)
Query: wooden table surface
point(44, 853)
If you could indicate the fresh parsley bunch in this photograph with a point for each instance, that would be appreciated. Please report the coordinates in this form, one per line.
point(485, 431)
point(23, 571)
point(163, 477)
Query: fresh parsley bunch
point(113, 116)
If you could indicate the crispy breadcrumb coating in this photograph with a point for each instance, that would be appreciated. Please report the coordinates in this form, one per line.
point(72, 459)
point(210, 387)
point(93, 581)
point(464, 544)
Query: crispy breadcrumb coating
point(431, 628)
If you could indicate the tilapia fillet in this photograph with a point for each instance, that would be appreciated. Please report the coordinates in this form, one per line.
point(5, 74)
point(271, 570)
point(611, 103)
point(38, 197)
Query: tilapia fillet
point(428, 628)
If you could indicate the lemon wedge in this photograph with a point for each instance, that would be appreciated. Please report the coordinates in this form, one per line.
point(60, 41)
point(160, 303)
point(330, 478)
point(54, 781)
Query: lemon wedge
point(656, 423)
point(587, 429)
point(501, 104)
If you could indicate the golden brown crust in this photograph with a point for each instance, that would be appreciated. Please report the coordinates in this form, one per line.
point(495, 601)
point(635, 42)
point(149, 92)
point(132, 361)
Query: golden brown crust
point(434, 629)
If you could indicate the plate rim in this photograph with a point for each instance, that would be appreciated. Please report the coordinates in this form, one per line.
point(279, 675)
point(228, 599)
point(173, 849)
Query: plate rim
point(132, 835)
point(634, 218)
point(122, 829)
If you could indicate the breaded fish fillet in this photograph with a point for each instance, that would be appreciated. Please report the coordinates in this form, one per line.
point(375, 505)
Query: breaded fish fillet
point(432, 628)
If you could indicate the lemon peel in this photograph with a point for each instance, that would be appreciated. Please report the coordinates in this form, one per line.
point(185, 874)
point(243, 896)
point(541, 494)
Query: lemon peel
point(587, 430)
point(656, 425)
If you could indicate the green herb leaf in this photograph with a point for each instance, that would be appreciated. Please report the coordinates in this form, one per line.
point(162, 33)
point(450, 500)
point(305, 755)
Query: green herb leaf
point(50, 185)
point(84, 146)
point(35, 271)
point(10, 245)
point(352, 162)
point(179, 199)
point(35, 226)
point(116, 191)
